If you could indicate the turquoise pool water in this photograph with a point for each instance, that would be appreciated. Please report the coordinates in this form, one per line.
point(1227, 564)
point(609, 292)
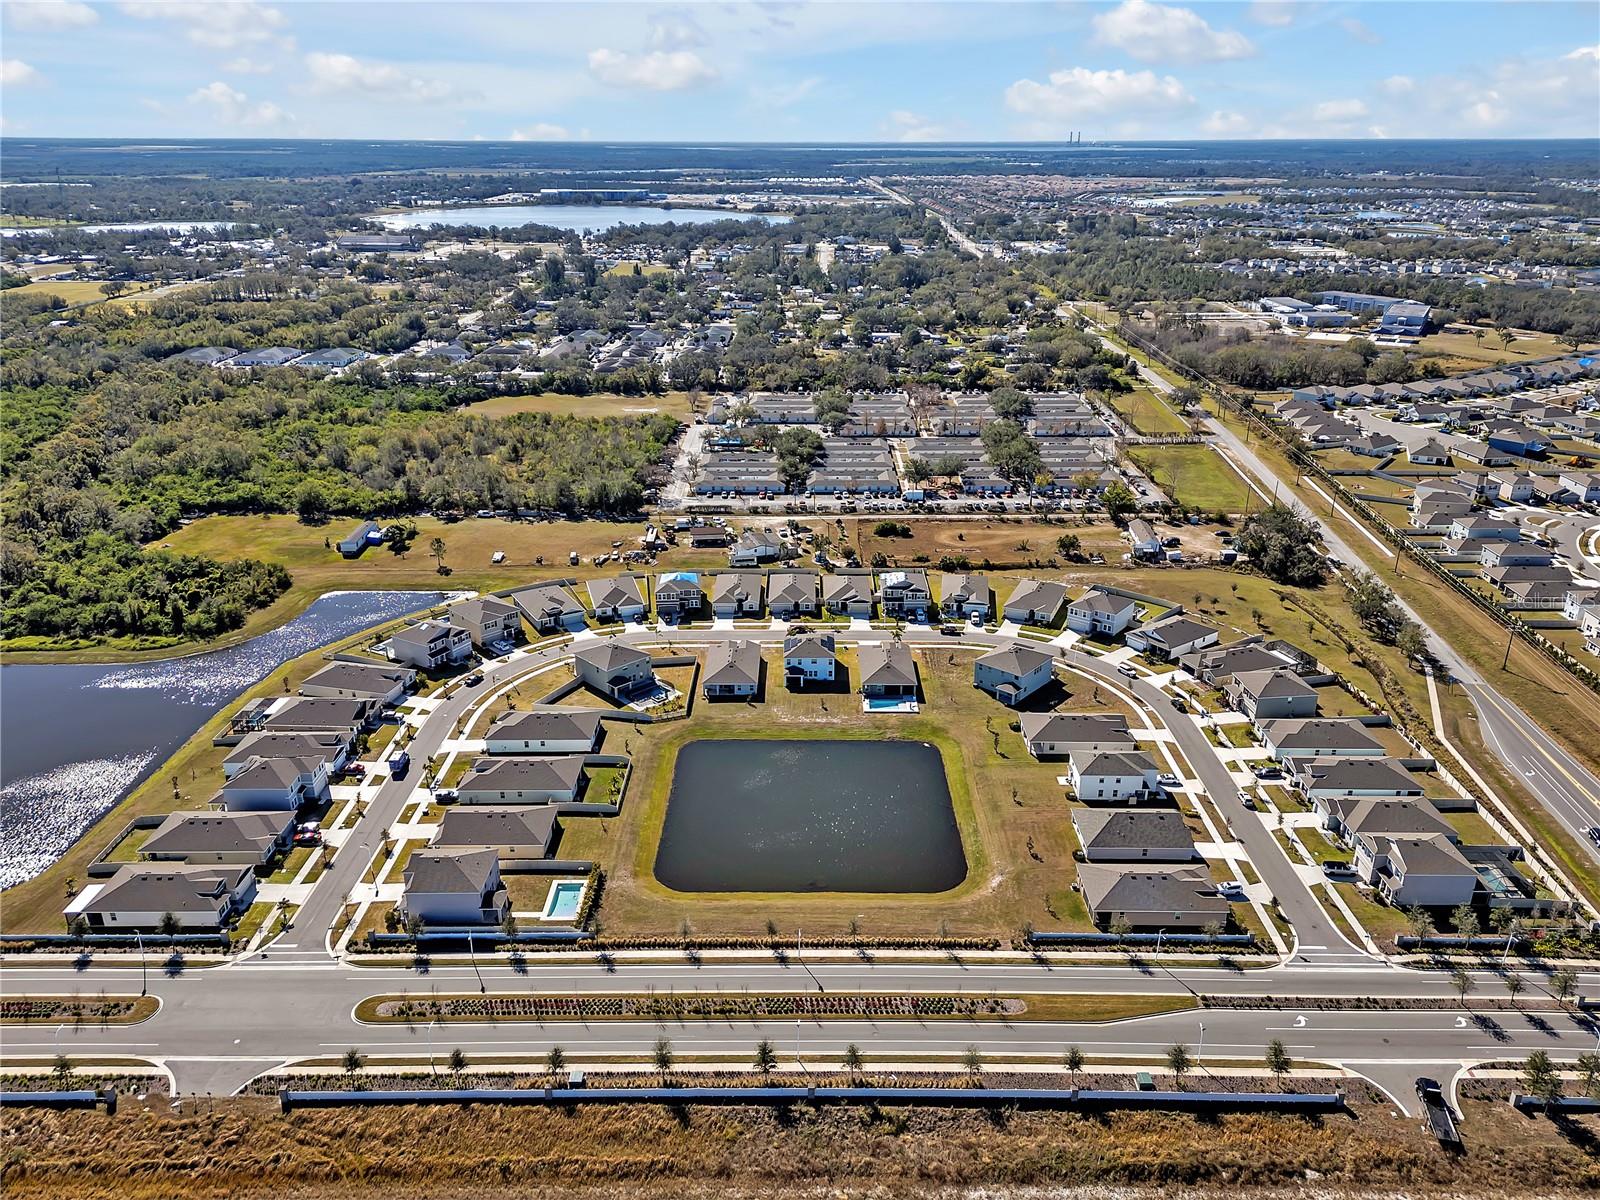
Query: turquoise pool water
point(562, 904)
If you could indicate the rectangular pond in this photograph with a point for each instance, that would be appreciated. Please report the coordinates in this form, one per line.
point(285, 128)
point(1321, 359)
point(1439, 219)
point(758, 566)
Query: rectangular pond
point(810, 816)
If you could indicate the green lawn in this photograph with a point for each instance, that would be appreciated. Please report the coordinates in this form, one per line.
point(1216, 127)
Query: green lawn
point(1194, 475)
point(1146, 412)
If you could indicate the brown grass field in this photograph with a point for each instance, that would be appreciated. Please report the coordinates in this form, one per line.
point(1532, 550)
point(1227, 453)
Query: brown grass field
point(244, 1148)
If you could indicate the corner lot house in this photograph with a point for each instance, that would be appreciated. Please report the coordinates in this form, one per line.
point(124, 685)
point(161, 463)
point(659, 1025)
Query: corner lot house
point(1129, 835)
point(1111, 774)
point(887, 669)
point(793, 594)
point(964, 595)
point(514, 834)
point(1036, 602)
point(545, 729)
point(549, 607)
point(1099, 613)
point(428, 645)
point(809, 658)
point(619, 672)
point(1012, 673)
point(1056, 735)
point(490, 621)
point(848, 595)
point(1170, 637)
point(905, 595)
point(455, 887)
point(1271, 694)
point(522, 781)
point(1183, 898)
point(732, 669)
point(737, 594)
point(1319, 737)
point(616, 600)
point(243, 839)
point(679, 595)
point(359, 681)
point(1420, 872)
point(139, 896)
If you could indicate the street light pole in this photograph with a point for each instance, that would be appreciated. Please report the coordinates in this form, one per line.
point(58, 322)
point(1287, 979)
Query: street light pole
point(144, 966)
point(1200, 1053)
point(432, 1070)
point(474, 960)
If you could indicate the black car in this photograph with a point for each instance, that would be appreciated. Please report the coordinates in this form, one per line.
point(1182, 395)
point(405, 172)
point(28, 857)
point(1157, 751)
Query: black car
point(1594, 834)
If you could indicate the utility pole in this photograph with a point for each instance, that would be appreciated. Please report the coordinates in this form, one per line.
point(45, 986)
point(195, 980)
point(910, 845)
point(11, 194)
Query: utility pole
point(1506, 661)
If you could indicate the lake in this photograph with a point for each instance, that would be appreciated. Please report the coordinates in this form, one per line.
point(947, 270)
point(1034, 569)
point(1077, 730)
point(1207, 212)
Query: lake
point(810, 816)
point(121, 227)
point(579, 218)
point(77, 738)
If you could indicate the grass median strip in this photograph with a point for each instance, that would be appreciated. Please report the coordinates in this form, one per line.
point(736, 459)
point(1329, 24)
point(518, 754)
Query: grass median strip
point(76, 1010)
point(384, 1010)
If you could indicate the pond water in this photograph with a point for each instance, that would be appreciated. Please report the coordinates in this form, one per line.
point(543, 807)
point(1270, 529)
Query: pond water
point(580, 218)
point(75, 739)
point(810, 816)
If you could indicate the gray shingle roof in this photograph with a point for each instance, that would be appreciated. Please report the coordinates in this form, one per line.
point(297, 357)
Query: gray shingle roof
point(1015, 659)
point(621, 591)
point(1111, 829)
point(370, 679)
point(1332, 733)
point(1141, 890)
point(476, 826)
point(887, 664)
point(558, 774)
point(1086, 728)
point(461, 872)
point(546, 723)
point(216, 832)
point(610, 656)
point(167, 889)
point(733, 663)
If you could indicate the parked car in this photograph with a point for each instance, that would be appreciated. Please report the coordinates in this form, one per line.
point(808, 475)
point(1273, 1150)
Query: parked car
point(399, 764)
point(1128, 670)
point(474, 679)
point(1269, 772)
point(308, 837)
point(1337, 867)
point(950, 630)
point(1168, 780)
point(1231, 889)
point(1246, 799)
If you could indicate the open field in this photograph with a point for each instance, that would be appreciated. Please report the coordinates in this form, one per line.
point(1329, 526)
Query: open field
point(599, 404)
point(1147, 412)
point(1468, 353)
point(630, 267)
point(1194, 475)
point(73, 291)
point(245, 1148)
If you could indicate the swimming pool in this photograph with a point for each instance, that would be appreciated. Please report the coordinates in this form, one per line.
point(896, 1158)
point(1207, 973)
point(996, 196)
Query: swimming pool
point(562, 902)
point(889, 704)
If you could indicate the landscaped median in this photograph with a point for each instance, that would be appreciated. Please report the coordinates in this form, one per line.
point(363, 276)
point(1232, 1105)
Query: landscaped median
point(405, 1010)
point(76, 1010)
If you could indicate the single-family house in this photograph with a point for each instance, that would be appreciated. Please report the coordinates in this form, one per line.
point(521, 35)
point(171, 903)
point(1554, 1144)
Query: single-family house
point(963, 595)
point(1583, 485)
point(454, 887)
point(1323, 779)
point(1111, 774)
point(514, 834)
point(332, 747)
point(905, 595)
point(848, 595)
point(737, 594)
point(340, 680)
point(809, 658)
point(248, 839)
point(617, 599)
point(1318, 737)
point(1036, 602)
point(887, 669)
point(1100, 613)
point(493, 622)
point(305, 714)
point(1254, 653)
point(550, 607)
point(1516, 554)
point(1055, 735)
point(544, 729)
point(1476, 528)
point(679, 595)
point(1417, 872)
point(1183, 898)
point(1270, 694)
point(275, 785)
point(1513, 487)
point(506, 780)
point(792, 594)
point(1172, 637)
point(754, 547)
point(1431, 453)
point(614, 670)
point(368, 533)
point(1142, 538)
point(429, 645)
point(1132, 835)
point(1382, 816)
point(141, 897)
point(1013, 673)
point(732, 669)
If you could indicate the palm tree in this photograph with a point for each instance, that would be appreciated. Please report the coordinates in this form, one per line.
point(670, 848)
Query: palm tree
point(766, 1059)
point(555, 1060)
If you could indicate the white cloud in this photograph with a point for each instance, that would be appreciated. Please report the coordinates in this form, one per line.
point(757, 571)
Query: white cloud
point(782, 95)
point(657, 70)
point(49, 15)
point(344, 74)
point(1360, 32)
point(1275, 13)
point(233, 107)
point(1224, 122)
point(906, 126)
point(16, 73)
point(1080, 92)
point(1339, 110)
point(1158, 33)
point(676, 30)
point(1530, 97)
point(244, 65)
point(541, 131)
point(215, 24)
point(1398, 85)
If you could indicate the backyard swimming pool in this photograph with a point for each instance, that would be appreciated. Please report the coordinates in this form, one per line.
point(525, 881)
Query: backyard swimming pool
point(563, 901)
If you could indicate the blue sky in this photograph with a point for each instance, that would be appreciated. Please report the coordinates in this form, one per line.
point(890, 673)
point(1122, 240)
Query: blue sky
point(796, 70)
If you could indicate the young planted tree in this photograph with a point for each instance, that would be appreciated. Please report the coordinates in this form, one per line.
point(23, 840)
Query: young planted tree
point(1463, 983)
point(1072, 1060)
point(555, 1060)
point(853, 1062)
point(1277, 1059)
point(1539, 1077)
point(436, 548)
point(766, 1059)
point(1563, 983)
point(353, 1061)
point(972, 1062)
point(661, 1055)
point(1178, 1061)
point(458, 1061)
